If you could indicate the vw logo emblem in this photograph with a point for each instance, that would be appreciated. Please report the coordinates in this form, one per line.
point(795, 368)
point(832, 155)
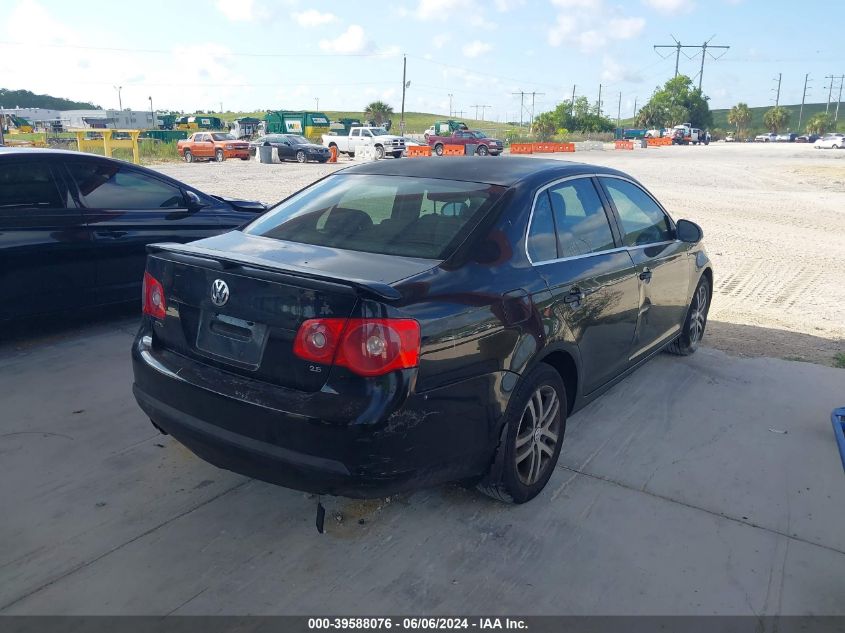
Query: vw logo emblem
point(219, 292)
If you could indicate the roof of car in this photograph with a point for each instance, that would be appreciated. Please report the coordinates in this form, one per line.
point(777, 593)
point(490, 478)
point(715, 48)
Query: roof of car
point(42, 151)
point(505, 171)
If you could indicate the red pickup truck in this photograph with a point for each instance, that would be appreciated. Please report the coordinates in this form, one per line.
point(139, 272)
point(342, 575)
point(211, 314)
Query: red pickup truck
point(486, 145)
point(212, 146)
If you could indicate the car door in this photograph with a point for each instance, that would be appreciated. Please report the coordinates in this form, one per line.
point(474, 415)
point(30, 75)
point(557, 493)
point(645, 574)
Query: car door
point(127, 208)
point(203, 146)
point(662, 261)
point(46, 260)
point(354, 139)
point(286, 150)
point(592, 280)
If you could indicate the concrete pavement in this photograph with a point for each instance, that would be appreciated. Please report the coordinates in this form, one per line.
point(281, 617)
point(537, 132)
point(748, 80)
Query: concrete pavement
point(700, 485)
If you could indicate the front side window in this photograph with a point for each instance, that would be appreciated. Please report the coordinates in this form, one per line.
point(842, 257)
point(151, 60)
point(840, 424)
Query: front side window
point(392, 215)
point(356, 132)
point(28, 185)
point(582, 225)
point(643, 221)
point(107, 186)
point(223, 137)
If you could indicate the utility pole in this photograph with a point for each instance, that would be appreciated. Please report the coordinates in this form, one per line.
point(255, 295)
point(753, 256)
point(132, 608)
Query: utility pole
point(777, 94)
point(829, 91)
point(119, 100)
point(521, 106)
point(459, 114)
point(677, 46)
point(803, 98)
point(572, 103)
point(635, 107)
point(317, 99)
point(152, 113)
point(619, 110)
point(450, 105)
point(476, 106)
point(704, 47)
point(404, 86)
point(838, 101)
point(598, 106)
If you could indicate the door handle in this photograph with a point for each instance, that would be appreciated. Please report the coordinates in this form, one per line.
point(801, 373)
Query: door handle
point(646, 275)
point(574, 296)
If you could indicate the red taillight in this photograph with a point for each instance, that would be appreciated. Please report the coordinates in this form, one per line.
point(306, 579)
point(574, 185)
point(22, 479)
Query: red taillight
point(153, 296)
point(368, 347)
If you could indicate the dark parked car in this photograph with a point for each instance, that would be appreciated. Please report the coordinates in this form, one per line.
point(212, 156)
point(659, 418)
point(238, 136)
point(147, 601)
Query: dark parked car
point(74, 227)
point(292, 147)
point(807, 138)
point(404, 323)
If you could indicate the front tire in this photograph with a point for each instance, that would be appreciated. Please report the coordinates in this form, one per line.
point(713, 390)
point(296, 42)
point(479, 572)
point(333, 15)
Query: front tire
point(379, 152)
point(219, 156)
point(482, 150)
point(397, 154)
point(535, 424)
point(438, 149)
point(695, 323)
point(300, 157)
point(189, 157)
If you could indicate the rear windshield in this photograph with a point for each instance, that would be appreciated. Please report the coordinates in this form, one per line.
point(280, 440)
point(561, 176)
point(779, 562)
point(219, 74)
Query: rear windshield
point(391, 215)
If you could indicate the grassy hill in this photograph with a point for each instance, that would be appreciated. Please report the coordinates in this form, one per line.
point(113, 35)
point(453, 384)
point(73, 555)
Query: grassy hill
point(27, 99)
point(415, 122)
point(720, 117)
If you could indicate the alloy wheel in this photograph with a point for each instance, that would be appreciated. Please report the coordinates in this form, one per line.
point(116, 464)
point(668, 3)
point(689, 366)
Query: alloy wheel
point(538, 434)
point(300, 156)
point(698, 316)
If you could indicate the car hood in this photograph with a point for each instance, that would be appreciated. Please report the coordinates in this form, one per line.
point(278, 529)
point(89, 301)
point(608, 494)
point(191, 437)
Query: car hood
point(243, 205)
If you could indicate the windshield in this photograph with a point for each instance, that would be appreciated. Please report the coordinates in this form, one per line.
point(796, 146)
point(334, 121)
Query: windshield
point(378, 131)
point(223, 137)
point(392, 215)
point(298, 140)
point(479, 134)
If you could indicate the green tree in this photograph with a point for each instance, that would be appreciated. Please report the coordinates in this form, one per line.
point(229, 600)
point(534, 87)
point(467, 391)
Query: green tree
point(740, 117)
point(378, 111)
point(819, 123)
point(776, 118)
point(545, 126)
point(579, 116)
point(678, 101)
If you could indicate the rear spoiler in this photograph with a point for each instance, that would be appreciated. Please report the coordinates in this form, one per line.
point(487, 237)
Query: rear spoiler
point(375, 289)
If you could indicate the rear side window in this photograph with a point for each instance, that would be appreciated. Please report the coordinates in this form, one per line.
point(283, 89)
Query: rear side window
point(392, 215)
point(108, 186)
point(28, 185)
point(642, 220)
point(582, 225)
point(542, 243)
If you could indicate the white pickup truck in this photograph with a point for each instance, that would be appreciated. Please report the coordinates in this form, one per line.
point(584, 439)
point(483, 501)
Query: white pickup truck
point(376, 137)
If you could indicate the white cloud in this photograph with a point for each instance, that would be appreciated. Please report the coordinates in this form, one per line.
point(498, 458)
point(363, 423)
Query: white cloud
point(472, 11)
point(439, 9)
point(671, 6)
point(440, 40)
point(476, 48)
point(613, 71)
point(312, 17)
point(352, 40)
point(236, 10)
point(590, 25)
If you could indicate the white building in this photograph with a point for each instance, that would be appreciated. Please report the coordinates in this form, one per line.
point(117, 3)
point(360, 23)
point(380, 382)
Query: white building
point(34, 115)
point(115, 119)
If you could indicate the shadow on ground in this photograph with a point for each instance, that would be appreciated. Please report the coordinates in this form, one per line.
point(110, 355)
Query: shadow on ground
point(754, 342)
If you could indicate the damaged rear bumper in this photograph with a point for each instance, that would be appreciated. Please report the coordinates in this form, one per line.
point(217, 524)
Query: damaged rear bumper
point(356, 445)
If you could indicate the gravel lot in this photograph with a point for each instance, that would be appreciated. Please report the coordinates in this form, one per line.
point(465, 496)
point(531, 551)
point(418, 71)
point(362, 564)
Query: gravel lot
point(773, 216)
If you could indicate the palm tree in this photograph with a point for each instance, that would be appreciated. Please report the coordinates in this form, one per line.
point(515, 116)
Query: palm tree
point(819, 123)
point(740, 117)
point(378, 111)
point(776, 118)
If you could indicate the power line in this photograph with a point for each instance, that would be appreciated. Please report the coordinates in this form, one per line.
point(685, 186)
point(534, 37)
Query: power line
point(483, 107)
point(679, 47)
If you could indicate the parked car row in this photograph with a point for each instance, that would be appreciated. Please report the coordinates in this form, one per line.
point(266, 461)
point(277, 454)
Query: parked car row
point(831, 141)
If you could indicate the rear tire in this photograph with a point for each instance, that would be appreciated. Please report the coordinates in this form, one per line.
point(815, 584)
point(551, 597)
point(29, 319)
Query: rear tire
point(534, 427)
point(438, 149)
point(189, 157)
point(244, 157)
point(695, 323)
point(301, 157)
point(219, 156)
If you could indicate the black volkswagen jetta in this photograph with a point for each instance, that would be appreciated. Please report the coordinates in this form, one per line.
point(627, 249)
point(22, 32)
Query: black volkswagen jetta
point(404, 323)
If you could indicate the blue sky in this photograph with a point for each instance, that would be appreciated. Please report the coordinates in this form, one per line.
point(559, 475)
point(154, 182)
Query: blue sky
point(260, 54)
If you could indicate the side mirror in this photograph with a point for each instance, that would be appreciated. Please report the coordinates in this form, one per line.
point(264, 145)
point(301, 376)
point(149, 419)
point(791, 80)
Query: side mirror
point(689, 231)
point(194, 201)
